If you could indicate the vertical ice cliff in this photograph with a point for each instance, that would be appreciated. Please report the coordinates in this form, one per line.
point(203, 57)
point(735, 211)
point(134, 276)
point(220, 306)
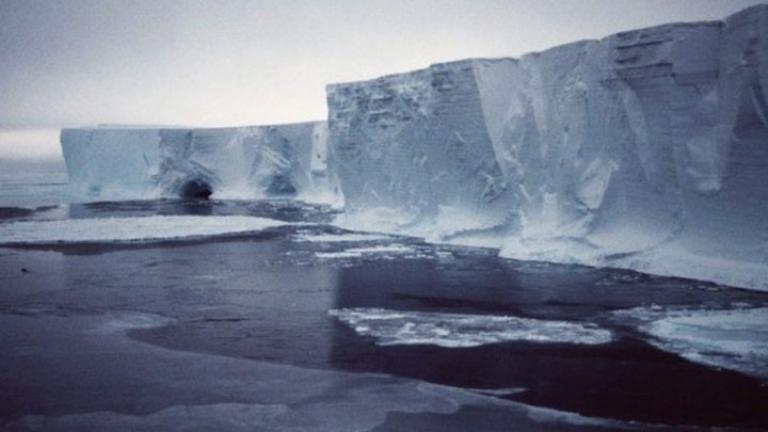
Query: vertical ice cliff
point(241, 162)
point(645, 150)
point(413, 152)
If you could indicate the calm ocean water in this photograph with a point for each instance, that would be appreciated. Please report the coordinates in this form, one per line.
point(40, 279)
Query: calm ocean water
point(112, 307)
point(32, 183)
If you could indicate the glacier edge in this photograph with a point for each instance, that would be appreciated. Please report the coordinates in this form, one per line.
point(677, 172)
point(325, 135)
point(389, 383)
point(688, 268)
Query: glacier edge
point(250, 162)
point(645, 150)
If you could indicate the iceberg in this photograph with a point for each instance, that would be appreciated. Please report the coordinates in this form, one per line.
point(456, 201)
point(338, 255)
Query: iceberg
point(645, 150)
point(238, 163)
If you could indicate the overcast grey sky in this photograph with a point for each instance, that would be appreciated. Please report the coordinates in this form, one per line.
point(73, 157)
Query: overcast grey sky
point(70, 62)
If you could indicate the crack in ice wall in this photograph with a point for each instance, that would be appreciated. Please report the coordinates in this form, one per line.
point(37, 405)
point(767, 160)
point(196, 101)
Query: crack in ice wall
point(645, 150)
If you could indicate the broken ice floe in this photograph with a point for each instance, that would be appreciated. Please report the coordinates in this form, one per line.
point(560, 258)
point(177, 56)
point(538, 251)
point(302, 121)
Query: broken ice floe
point(448, 330)
point(340, 238)
point(387, 250)
point(735, 339)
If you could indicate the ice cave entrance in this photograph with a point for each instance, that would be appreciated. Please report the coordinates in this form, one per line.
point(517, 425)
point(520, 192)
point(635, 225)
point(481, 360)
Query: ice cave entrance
point(196, 189)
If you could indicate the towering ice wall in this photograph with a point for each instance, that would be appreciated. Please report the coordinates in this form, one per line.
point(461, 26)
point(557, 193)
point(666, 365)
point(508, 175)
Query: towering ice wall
point(413, 150)
point(645, 150)
point(241, 162)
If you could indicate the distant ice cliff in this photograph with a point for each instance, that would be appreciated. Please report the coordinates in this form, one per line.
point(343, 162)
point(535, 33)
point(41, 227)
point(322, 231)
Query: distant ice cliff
point(239, 162)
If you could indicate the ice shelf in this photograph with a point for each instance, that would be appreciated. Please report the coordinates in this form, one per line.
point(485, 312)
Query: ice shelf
point(240, 162)
point(645, 150)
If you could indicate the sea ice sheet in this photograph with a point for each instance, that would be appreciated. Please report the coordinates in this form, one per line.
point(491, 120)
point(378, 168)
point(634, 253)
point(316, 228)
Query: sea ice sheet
point(643, 150)
point(391, 327)
point(111, 163)
point(383, 250)
point(130, 229)
point(734, 339)
point(342, 238)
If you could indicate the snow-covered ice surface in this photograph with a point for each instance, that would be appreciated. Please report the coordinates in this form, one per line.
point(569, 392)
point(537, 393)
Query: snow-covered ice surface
point(644, 150)
point(447, 330)
point(108, 163)
point(734, 339)
point(130, 229)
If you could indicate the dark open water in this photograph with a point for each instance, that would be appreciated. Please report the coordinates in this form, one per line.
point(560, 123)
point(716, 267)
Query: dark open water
point(266, 297)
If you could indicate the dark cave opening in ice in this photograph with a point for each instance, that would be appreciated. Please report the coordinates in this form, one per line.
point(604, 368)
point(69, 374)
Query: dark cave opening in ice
point(196, 189)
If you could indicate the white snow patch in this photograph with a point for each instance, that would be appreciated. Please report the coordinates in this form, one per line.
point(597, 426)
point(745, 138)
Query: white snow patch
point(152, 228)
point(448, 330)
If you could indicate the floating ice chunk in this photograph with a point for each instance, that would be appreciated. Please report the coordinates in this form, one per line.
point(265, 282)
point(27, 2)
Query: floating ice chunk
point(499, 392)
point(734, 339)
point(338, 238)
point(358, 252)
point(463, 330)
point(152, 228)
